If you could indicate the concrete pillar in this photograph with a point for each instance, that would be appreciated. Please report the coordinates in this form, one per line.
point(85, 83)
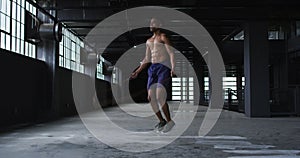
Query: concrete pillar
point(256, 69)
point(199, 70)
point(239, 82)
point(297, 95)
point(181, 81)
point(187, 83)
point(201, 84)
point(48, 52)
point(199, 79)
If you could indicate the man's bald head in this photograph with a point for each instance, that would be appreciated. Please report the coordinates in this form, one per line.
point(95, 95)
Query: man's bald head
point(155, 24)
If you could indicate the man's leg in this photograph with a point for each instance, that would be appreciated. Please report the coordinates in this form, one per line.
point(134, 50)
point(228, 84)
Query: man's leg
point(153, 102)
point(161, 96)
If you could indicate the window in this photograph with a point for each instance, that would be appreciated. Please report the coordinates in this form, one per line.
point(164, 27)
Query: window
point(5, 15)
point(12, 17)
point(275, 33)
point(100, 69)
point(183, 89)
point(239, 36)
point(243, 81)
point(69, 51)
point(206, 88)
point(5, 7)
point(116, 75)
point(69, 54)
point(229, 83)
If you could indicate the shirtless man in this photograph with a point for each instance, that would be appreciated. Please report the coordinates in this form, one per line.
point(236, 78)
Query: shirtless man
point(161, 55)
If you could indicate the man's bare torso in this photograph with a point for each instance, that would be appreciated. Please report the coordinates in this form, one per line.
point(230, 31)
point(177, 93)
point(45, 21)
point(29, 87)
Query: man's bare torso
point(158, 50)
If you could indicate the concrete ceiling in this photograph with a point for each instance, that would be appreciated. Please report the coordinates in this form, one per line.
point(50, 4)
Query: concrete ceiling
point(222, 18)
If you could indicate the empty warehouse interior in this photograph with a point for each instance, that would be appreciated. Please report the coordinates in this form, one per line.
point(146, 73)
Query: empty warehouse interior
point(67, 91)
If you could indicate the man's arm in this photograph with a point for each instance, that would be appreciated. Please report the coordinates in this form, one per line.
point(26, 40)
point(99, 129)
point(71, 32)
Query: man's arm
point(144, 63)
point(170, 52)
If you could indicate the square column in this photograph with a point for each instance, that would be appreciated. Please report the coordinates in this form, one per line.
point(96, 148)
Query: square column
point(256, 69)
point(239, 81)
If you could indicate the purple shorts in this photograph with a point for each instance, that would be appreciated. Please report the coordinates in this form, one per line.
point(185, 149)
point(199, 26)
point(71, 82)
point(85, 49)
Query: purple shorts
point(159, 73)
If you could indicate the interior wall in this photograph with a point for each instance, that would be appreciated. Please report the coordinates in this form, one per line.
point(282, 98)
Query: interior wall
point(25, 90)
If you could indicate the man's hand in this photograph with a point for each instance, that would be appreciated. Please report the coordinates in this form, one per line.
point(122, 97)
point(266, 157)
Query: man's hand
point(173, 73)
point(133, 75)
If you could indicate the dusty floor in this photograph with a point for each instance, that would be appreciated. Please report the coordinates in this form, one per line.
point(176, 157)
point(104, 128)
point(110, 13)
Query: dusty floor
point(234, 135)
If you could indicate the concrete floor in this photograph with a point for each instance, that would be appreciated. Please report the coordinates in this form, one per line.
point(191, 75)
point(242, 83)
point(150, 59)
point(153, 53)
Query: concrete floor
point(234, 135)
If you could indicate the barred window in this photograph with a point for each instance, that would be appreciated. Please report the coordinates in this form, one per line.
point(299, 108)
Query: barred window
point(69, 51)
point(100, 69)
point(12, 27)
